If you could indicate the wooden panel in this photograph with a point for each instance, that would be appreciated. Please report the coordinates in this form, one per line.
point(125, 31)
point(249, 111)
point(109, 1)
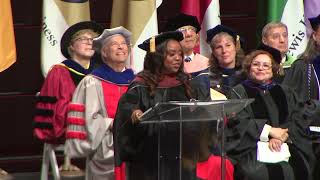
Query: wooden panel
point(25, 74)
point(246, 28)
point(27, 12)
point(16, 131)
point(238, 8)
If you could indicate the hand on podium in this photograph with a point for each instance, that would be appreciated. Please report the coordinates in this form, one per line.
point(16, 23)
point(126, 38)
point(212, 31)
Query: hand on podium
point(136, 116)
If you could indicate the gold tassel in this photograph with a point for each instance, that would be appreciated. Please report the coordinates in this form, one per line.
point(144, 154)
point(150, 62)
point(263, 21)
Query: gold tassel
point(238, 44)
point(153, 44)
point(281, 70)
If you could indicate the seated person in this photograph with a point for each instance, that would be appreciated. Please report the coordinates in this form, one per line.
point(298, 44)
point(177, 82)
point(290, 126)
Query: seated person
point(276, 118)
point(50, 121)
point(94, 103)
point(226, 58)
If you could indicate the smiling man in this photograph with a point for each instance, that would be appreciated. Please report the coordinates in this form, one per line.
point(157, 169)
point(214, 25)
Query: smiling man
point(94, 104)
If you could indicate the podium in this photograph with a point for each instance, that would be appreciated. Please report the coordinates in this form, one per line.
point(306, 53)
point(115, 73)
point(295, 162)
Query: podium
point(188, 132)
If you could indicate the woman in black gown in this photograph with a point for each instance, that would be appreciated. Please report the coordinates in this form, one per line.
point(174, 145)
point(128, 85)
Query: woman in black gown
point(276, 118)
point(226, 58)
point(162, 80)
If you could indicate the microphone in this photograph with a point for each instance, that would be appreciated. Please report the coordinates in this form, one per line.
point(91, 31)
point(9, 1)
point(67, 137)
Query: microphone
point(218, 86)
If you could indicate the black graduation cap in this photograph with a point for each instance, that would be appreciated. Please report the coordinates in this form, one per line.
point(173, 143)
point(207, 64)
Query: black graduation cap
point(275, 53)
point(181, 20)
point(67, 35)
point(176, 35)
point(218, 29)
point(315, 21)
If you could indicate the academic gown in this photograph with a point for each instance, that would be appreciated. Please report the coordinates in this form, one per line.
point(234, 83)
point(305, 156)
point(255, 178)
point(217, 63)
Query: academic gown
point(223, 80)
point(278, 106)
point(90, 117)
point(136, 144)
point(53, 99)
point(286, 66)
point(304, 80)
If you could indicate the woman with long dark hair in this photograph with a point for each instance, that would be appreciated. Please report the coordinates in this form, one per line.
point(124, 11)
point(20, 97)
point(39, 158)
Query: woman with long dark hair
point(136, 143)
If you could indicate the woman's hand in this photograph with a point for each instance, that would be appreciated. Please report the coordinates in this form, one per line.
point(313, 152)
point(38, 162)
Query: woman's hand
point(275, 145)
point(279, 133)
point(136, 115)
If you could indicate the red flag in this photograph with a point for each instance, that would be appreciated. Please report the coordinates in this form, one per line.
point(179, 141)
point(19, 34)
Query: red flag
point(208, 14)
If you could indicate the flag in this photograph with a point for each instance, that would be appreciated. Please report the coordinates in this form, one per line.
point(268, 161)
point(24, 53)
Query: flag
point(291, 13)
point(208, 14)
point(57, 16)
point(139, 17)
point(8, 53)
point(311, 9)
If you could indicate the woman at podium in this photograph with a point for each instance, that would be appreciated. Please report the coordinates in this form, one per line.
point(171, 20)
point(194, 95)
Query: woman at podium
point(267, 140)
point(136, 143)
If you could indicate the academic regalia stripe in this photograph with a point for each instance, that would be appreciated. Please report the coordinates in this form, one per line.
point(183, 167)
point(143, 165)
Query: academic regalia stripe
point(76, 135)
point(76, 121)
point(42, 125)
point(76, 107)
point(46, 99)
point(44, 112)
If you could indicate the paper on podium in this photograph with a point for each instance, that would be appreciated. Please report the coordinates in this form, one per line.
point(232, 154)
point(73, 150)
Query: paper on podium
point(264, 154)
point(216, 95)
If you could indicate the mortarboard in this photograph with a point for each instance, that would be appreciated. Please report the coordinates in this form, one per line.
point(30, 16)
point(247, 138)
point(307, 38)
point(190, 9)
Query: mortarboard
point(181, 20)
point(176, 35)
point(315, 21)
point(275, 53)
point(218, 29)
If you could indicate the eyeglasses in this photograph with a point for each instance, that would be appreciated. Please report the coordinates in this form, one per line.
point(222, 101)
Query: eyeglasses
point(187, 29)
point(265, 66)
point(116, 44)
point(84, 40)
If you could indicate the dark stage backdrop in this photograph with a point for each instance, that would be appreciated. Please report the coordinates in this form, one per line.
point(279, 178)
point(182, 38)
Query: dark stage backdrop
point(19, 151)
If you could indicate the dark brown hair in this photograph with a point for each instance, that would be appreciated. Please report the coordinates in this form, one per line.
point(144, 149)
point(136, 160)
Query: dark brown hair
point(246, 64)
point(312, 50)
point(153, 66)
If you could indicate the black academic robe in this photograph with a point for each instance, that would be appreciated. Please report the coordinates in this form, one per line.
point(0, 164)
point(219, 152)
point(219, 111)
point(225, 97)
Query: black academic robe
point(278, 107)
point(223, 80)
point(302, 79)
point(137, 144)
point(200, 79)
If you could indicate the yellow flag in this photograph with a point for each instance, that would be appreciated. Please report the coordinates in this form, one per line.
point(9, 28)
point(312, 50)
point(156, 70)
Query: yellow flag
point(57, 17)
point(8, 53)
point(139, 17)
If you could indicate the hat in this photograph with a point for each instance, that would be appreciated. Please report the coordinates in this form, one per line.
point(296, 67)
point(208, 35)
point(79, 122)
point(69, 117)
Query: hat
point(98, 41)
point(176, 35)
point(181, 20)
point(218, 29)
point(67, 35)
point(315, 21)
point(275, 53)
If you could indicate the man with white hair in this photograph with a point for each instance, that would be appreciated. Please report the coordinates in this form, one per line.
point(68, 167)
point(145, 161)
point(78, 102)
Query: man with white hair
point(94, 104)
